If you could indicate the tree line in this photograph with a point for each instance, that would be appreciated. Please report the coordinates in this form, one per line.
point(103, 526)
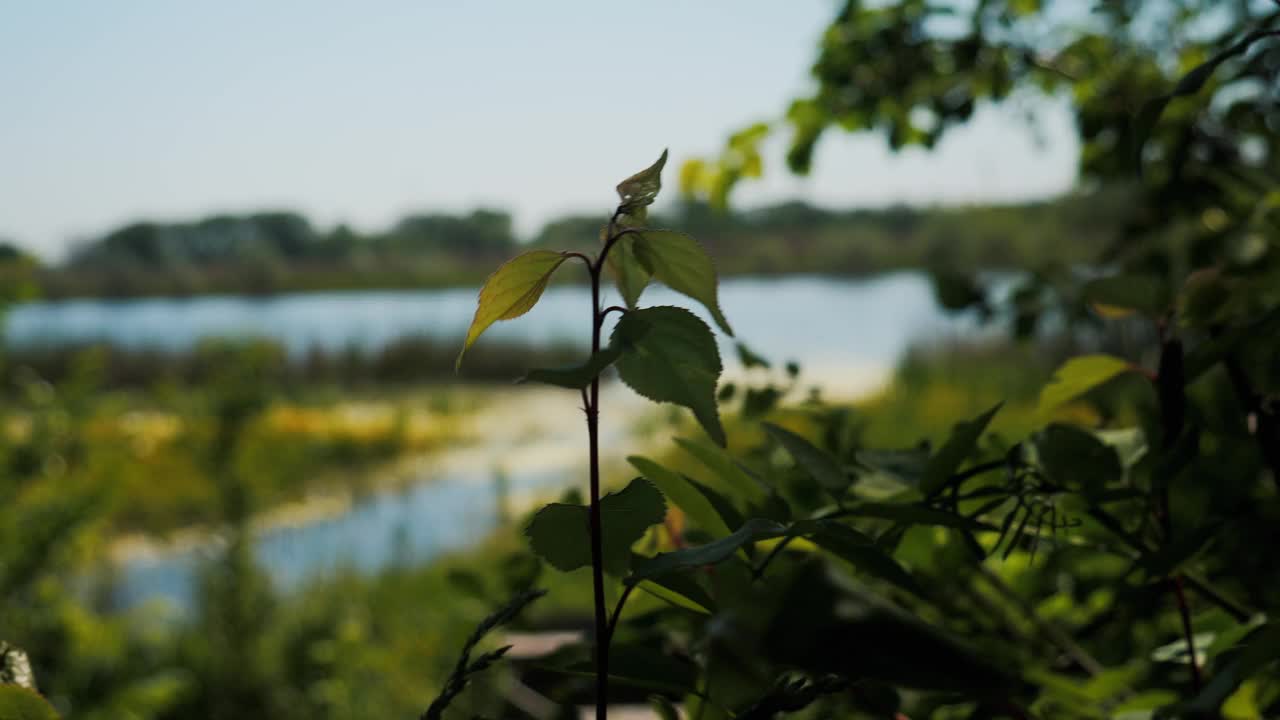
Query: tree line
point(266, 252)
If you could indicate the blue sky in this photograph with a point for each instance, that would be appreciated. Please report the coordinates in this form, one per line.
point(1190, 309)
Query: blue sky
point(360, 112)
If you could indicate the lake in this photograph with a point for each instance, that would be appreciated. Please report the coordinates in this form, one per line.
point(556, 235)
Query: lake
point(846, 334)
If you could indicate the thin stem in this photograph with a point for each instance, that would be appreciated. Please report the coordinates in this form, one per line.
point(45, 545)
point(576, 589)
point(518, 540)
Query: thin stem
point(573, 254)
point(1185, 611)
point(617, 613)
point(612, 308)
point(777, 550)
point(597, 553)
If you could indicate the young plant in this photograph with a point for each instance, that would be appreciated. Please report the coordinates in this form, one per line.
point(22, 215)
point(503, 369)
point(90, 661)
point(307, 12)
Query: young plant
point(666, 354)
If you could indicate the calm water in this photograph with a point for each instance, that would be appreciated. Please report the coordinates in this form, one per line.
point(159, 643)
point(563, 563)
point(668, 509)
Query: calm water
point(816, 320)
point(837, 329)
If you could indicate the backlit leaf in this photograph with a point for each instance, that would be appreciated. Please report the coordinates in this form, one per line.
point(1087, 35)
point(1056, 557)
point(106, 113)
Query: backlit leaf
point(511, 291)
point(669, 355)
point(19, 703)
point(640, 190)
point(1077, 376)
point(679, 262)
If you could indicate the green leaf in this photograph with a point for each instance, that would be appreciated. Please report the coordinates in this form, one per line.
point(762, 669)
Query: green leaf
point(640, 190)
point(1260, 649)
point(1075, 458)
point(959, 446)
point(708, 554)
point(561, 534)
point(1145, 293)
point(19, 703)
point(856, 549)
point(1078, 376)
point(750, 359)
point(725, 469)
point(629, 274)
point(1189, 84)
point(681, 591)
point(684, 494)
point(817, 462)
point(511, 291)
point(669, 355)
point(576, 377)
point(679, 262)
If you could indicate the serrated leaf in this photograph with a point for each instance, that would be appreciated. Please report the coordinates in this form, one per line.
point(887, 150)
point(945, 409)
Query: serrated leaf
point(959, 446)
point(680, 491)
point(679, 262)
point(578, 376)
point(1077, 376)
point(511, 291)
point(708, 554)
point(629, 274)
point(19, 703)
point(561, 533)
point(817, 462)
point(669, 355)
point(640, 190)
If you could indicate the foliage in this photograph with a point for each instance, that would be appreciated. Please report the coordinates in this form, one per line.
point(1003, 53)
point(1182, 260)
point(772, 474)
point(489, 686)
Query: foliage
point(1071, 569)
point(444, 250)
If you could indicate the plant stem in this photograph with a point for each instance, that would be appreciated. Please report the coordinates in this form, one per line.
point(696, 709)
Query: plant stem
point(617, 613)
point(597, 553)
point(1185, 611)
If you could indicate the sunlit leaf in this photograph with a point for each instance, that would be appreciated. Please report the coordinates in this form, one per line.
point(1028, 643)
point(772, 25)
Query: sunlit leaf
point(641, 189)
point(1078, 376)
point(19, 703)
point(511, 291)
point(561, 533)
point(669, 355)
point(679, 262)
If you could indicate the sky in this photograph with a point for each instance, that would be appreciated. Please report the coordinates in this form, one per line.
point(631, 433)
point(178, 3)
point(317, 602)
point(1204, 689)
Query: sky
point(362, 112)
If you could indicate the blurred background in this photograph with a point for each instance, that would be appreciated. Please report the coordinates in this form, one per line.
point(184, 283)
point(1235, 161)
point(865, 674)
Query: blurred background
point(240, 245)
